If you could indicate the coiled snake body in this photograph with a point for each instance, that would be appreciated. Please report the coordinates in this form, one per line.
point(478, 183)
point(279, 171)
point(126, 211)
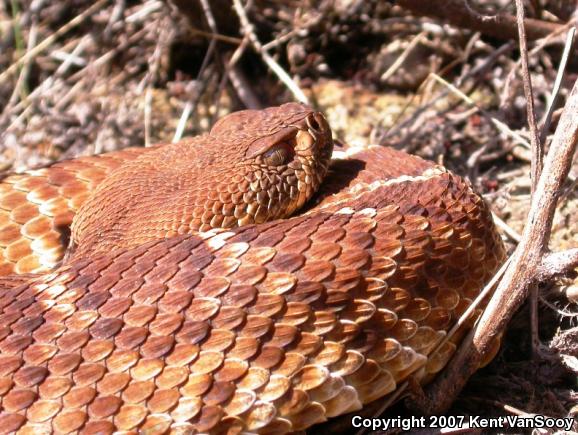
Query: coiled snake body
point(148, 325)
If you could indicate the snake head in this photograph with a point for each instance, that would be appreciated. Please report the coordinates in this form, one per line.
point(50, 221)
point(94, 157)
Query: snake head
point(285, 153)
point(254, 166)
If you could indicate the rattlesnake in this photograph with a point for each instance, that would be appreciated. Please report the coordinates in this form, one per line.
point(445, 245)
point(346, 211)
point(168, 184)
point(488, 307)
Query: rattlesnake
point(153, 321)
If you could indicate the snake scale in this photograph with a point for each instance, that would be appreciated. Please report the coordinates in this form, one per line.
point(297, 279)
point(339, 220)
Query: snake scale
point(155, 321)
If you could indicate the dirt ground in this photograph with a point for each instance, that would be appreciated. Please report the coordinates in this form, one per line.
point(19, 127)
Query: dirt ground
point(79, 77)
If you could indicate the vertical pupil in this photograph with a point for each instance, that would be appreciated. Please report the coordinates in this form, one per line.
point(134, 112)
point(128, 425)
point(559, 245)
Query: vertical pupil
point(279, 156)
point(276, 156)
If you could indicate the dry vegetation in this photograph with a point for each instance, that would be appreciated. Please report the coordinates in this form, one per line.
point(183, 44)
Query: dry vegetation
point(79, 77)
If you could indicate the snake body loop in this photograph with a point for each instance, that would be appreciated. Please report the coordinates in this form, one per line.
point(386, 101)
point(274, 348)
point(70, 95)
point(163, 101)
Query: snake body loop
point(157, 322)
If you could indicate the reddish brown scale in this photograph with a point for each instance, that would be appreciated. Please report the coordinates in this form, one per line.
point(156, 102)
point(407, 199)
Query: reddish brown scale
point(270, 328)
point(37, 208)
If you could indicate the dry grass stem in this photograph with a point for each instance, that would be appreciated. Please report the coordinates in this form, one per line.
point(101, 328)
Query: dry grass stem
point(30, 54)
point(248, 31)
point(552, 101)
point(501, 126)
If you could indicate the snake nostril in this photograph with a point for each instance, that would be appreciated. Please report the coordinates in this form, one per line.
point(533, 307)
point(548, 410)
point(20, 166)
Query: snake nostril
point(313, 124)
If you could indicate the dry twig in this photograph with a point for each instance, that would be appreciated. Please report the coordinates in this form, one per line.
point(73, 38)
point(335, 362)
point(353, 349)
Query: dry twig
point(529, 93)
point(413, 120)
point(248, 31)
point(537, 154)
point(238, 80)
point(30, 54)
point(202, 76)
point(556, 89)
point(458, 13)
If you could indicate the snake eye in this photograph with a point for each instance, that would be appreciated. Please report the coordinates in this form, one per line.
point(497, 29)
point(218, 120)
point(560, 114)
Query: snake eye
point(278, 155)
